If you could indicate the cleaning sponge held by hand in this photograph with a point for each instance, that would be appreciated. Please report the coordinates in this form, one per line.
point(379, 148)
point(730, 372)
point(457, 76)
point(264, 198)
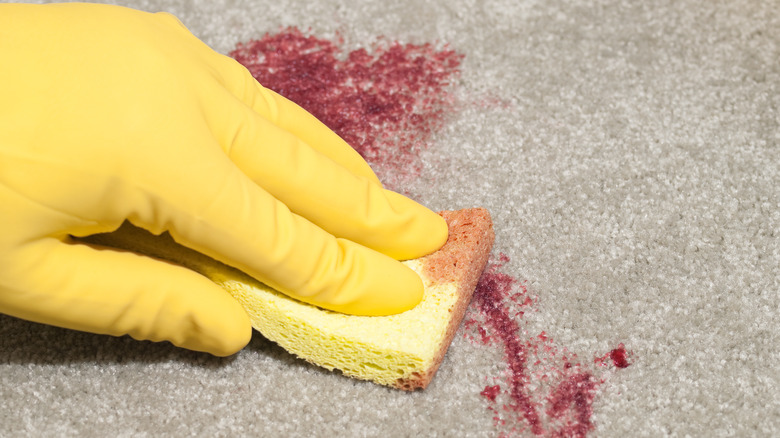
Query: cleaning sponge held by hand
point(403, 351)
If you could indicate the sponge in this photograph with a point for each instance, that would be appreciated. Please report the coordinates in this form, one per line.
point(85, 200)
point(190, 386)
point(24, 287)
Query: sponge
point(402, 351)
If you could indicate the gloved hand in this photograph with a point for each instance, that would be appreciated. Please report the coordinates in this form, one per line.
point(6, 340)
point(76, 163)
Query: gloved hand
point(109, 114)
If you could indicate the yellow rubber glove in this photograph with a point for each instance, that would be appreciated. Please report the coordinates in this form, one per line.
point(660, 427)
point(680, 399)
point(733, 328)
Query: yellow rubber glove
point(109, 114)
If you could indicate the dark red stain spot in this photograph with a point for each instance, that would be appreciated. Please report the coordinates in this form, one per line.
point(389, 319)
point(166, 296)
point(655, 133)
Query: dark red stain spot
point(618, 357)
point(385, 103)
point(491, 392)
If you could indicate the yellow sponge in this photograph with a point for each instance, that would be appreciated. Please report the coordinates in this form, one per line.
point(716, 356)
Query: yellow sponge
point(402, 351)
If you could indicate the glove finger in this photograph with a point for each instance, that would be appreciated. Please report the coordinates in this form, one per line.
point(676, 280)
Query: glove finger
point(290, 117)
point(104, 291)
point(228, 217)
point(314, 186)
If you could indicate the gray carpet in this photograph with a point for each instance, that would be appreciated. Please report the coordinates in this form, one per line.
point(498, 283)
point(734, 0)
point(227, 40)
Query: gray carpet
point(629, 154)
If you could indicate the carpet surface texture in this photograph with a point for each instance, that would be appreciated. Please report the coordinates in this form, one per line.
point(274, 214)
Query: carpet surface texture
point(629, 153)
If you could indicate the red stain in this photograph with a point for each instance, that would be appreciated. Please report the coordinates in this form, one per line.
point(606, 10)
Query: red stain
point(546, 391)
point(493, 288)
point(618, 357)
point(572, 402)
point(386, 103)
point(491, 392)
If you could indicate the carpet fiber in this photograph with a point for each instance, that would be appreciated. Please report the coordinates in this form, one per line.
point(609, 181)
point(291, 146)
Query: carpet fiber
point(629, 154)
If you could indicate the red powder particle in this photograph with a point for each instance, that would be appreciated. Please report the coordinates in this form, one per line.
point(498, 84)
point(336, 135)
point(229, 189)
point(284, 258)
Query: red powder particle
point(491, 392)
point(618, 357)
point(385, 103)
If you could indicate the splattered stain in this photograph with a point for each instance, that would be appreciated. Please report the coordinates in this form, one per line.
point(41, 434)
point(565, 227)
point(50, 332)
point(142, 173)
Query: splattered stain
point(494, 287)
point(545, 390)
point(386, 103)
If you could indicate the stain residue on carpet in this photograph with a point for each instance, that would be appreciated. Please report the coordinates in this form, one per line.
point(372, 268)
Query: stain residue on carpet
point(617, 357)
point(545, 390)
point(386, 102)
